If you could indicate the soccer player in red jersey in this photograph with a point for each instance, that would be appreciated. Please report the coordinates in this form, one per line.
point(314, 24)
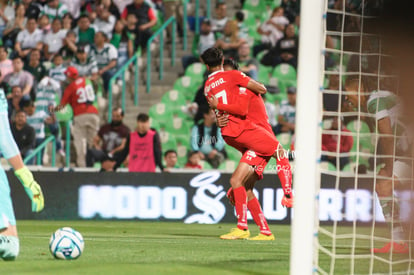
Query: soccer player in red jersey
point(79, 94)
point(242, 133)
point(257, 163)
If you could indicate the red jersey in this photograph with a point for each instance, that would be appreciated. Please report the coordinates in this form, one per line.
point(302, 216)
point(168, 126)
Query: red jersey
point(80, 95)
point(256, 110)
point(225, 86)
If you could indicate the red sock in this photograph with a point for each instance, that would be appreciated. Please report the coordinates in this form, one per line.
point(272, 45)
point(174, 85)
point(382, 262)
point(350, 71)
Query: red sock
point(254, 207)
point(240, 197)
point(284, 172)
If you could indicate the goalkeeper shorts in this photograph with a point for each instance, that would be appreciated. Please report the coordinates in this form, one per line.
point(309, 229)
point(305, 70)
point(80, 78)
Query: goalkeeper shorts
point(6, 207)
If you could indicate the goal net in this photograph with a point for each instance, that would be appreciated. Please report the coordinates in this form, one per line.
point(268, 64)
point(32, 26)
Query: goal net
point(364, 199)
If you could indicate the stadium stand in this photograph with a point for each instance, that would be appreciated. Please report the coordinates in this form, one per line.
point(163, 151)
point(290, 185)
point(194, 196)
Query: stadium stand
point(170, 102)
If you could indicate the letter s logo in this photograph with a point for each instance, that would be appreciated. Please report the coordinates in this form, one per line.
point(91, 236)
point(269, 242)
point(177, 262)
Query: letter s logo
point(212, 208)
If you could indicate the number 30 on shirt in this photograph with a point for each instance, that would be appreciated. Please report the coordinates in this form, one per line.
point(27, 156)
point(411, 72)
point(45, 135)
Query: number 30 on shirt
point(86, 94)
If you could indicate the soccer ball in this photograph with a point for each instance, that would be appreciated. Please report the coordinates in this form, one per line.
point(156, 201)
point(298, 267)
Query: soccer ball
point(66, 244)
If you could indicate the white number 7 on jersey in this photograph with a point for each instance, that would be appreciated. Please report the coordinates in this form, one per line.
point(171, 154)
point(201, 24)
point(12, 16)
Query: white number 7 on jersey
point(223, 95)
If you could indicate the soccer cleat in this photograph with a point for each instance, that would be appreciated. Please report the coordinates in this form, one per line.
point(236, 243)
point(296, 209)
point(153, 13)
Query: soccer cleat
point(396, 248)
point(287, 202)
point(262, 237)
point(236, 234)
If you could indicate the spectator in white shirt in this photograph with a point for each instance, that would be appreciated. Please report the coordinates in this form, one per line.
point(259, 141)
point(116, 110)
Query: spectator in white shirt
point(272, 30)
point(54, 39)
point(73, 7)
point(106, 55)
point(28, 39)
point(221, 17)
point(6, 14)
point(14, 26)
point(6, 65)
point(105, 21)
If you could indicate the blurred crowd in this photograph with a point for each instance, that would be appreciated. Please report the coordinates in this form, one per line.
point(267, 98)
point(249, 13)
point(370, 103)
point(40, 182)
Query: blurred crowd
point(41, 39)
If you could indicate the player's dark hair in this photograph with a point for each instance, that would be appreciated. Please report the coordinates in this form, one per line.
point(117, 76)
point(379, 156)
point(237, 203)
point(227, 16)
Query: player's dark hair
point(17, 57)
point(142, 117)
point(170, 151)
point(239, 16)
point(212, 57)
point(232, 63)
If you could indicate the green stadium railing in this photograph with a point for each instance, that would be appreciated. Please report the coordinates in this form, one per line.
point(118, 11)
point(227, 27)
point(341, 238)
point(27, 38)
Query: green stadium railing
point(197, 14)
point(160, 33)
point(121, 72)
point(37, 152)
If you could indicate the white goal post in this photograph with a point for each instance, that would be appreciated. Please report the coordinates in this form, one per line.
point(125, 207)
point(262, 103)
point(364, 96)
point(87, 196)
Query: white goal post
point(308, 136)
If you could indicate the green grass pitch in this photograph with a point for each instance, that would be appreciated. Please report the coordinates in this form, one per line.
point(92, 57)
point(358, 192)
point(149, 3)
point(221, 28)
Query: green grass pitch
point(150, 248)
point(131, 247)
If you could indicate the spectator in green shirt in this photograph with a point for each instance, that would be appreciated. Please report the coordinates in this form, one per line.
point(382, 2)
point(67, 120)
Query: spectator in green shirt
point(84, 31)
point(35, 67)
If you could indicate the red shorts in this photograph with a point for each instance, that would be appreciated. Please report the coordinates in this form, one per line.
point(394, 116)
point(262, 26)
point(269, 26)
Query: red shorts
point(258, 162)
point(256, 139)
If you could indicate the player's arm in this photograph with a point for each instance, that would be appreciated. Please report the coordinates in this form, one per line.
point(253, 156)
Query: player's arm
point(239, 108)
point(11, 153)
point(243, 80)
point(386, 144)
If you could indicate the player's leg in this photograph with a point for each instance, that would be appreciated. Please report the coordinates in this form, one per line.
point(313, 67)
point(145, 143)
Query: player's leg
point(79, 131)
point(9, 242)
point(256, 211)
point(284, 172)
point(240, 175)
point(391, 209)
point(260, 141)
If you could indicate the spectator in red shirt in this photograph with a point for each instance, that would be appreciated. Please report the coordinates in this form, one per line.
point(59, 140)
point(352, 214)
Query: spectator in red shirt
point(146, 20)
point(193, 161)
point(330, 143)
point(81, 96)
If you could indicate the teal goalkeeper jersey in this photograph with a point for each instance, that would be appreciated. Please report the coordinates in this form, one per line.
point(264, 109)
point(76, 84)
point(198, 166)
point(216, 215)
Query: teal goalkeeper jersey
point(8, 147)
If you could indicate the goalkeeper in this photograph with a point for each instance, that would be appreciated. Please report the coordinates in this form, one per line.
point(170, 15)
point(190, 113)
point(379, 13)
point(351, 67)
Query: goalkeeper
point(9, 242)
point(385, 108)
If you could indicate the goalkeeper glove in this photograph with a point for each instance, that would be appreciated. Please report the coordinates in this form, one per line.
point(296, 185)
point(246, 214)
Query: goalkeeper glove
point(32, 188)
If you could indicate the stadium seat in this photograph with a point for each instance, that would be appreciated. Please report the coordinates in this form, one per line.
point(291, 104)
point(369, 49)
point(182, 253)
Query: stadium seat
point(196, 71)
point(167, 141)
point(177, 126)
point(187, 86)
point(205, 165)
point(284, 72)
point(327, 166)
point(264, 74)
point(160, 113)
point(257, 7)
point(285, 140)
point(232, 153)
point(154, 124)
point(175, 99)
point(182, 152)
point(228, 165)
point(365, 145)
point(271, 165)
